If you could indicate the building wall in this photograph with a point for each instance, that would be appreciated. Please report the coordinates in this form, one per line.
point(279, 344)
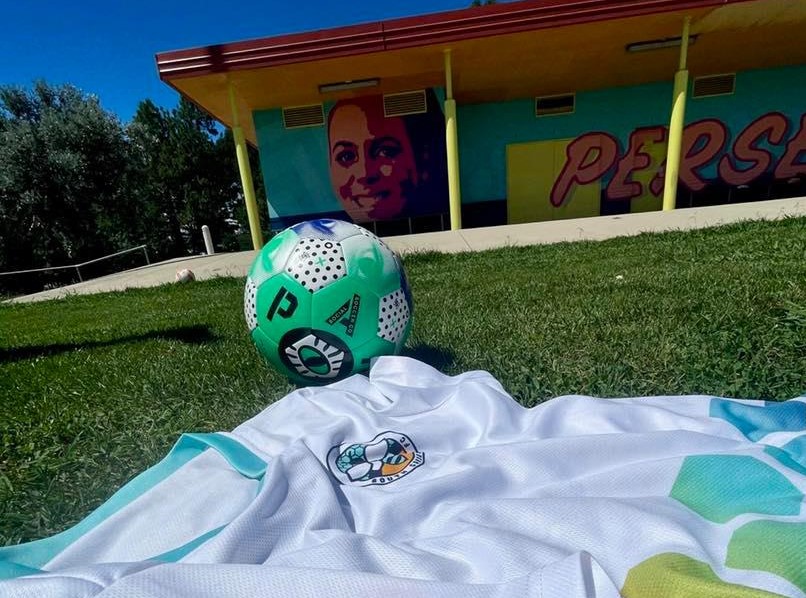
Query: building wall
point(541, 163)
point(294, 166)
point(606, 157)
point(380, 168)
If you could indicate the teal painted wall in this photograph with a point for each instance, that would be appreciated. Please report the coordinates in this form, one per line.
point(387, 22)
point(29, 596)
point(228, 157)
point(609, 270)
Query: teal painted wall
point(294, 162)
point(486, 129)
point(294, 166)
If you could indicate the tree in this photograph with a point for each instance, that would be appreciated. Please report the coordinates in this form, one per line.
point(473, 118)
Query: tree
point(63, 161)
point(182, 175)
point(75, 184)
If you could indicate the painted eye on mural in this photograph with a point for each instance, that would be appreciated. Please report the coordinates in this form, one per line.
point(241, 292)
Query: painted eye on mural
point(385, 147)
point(345, 154)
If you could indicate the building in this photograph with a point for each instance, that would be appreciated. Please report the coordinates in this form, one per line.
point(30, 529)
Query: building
point(516, 112)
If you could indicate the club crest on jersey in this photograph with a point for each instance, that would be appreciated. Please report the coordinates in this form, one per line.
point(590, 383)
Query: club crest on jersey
point(386, 458)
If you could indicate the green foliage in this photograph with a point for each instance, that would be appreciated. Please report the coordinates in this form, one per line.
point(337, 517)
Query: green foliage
point(181, 177)
point(76, 184)
point(63, 161)
point(98, 387)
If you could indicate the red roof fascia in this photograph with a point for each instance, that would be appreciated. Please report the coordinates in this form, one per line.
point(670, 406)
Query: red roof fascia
point(409, 32)
point(270, 51)
point(522, 16)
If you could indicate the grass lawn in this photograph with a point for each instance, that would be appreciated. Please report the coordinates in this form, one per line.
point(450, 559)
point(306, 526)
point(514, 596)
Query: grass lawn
point(96, 388)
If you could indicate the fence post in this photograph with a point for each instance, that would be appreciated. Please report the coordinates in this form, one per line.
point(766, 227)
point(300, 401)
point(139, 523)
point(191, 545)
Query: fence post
point(79, 274)
point(208, 240)
point(146, 252)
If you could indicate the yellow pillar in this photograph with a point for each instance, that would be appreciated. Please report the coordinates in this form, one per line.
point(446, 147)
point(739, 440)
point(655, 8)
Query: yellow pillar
point(452, 148)
point(676, 123)
point(246, 174)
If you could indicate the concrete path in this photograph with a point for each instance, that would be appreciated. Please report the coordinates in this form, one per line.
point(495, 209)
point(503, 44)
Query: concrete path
point(474, 239)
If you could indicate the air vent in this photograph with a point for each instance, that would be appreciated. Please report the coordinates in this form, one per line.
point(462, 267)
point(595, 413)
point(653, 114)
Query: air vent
point(559, 104)
point(400, 104)
point(714, 85)
point(303, 116)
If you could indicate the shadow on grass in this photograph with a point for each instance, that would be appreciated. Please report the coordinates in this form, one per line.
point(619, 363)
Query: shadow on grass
point(194, 335)
point(436, 357)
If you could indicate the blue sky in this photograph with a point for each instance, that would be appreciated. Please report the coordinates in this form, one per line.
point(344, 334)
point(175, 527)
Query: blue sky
point(107, 47)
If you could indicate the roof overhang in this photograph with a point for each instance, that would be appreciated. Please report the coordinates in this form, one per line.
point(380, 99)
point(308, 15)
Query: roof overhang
point(499, 52)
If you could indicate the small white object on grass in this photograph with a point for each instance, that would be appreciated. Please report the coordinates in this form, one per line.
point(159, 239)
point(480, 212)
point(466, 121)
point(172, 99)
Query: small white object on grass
point(185, 275)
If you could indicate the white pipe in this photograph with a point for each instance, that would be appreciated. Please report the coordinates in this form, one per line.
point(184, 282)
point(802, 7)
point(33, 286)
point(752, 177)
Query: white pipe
point(208, 240)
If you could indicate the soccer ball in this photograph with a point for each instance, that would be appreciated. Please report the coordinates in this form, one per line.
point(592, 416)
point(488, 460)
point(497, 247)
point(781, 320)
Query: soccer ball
point(184, 275)
point(323, 298)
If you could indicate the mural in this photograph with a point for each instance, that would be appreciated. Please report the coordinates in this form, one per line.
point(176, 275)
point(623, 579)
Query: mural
point(384, 168)
point(592, 166)
point(579, 176)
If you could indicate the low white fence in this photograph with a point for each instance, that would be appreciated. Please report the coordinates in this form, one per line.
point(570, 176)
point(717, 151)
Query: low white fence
point(77, 267)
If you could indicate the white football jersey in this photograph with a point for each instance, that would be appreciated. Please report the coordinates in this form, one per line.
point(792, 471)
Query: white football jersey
point(413, 483)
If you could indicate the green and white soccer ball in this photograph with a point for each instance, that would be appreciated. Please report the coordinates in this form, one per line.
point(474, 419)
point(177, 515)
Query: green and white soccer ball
point(323, 298)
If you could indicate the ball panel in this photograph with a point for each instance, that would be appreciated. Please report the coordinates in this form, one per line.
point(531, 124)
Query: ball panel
point(347, 308)
point(404, 284)
point(368, 260)
point(282, 305)
point(250, 304)
point(267, 348)
point(316, 262)
point(323, 298)
point(393, 316)
point(371, 235)
point(374, 347)
point(325, 228)
point(313, 355)
point(273, 257)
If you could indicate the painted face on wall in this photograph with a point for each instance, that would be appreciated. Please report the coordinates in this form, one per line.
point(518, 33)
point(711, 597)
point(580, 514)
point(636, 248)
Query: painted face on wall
point(372, 164)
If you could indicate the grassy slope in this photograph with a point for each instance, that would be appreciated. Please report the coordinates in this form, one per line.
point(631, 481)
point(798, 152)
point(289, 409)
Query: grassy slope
point(96, 388)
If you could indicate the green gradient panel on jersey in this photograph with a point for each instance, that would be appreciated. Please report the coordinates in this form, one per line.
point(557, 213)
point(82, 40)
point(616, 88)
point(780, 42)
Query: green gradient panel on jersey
point(775, 546)
point(721, 487)
point(673, 575)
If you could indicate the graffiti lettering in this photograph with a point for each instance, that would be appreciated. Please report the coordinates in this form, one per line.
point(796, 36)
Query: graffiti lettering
point(773, 126)
point(702, 141)
point(621, 187)
point(790, 164)
point(590, 157)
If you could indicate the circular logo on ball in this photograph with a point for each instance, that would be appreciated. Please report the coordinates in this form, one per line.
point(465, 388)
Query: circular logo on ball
point(315, 354)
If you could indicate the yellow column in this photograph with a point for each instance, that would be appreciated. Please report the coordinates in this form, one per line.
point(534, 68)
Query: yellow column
point(676, 123)
point(246, 174)
point(452, 148)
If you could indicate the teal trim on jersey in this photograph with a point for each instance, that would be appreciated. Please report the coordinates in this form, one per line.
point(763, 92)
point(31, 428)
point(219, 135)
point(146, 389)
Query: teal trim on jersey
point(792, 454)
point(39, 552)
point(172, 556)
point(244, 461)
point(756, 421)
point(9, 570)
